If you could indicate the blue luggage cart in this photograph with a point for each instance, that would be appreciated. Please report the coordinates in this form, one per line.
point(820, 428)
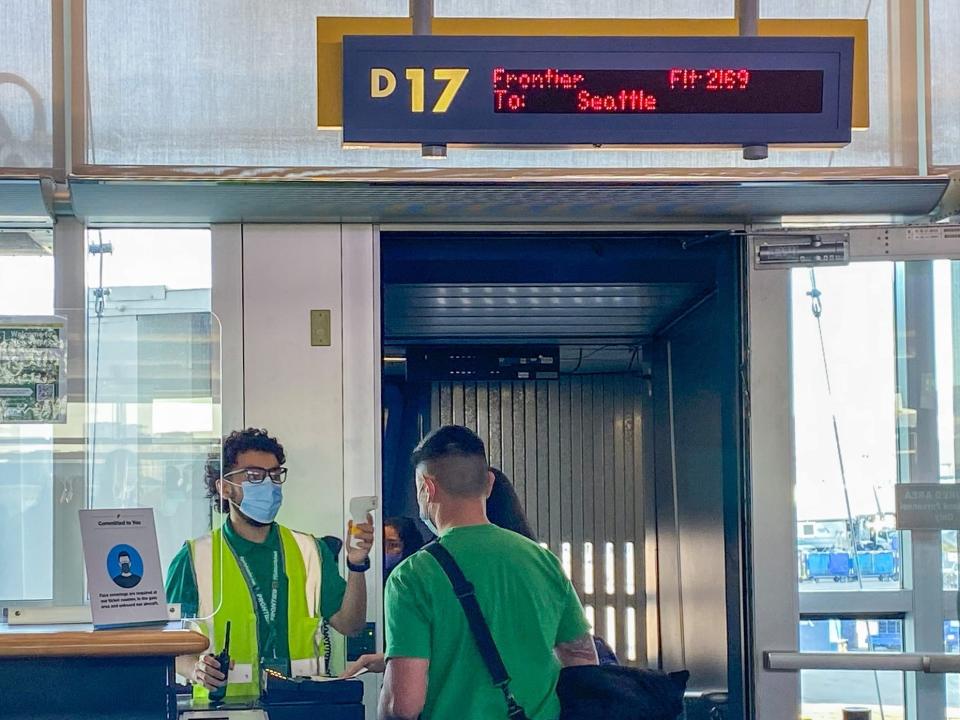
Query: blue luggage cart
point(841, 566)
point(865, 564)
point(885, 565)
point(818, 565)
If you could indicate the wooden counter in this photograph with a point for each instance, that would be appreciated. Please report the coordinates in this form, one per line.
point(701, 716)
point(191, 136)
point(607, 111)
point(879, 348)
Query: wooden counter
point(32, 641)
point(50, 672)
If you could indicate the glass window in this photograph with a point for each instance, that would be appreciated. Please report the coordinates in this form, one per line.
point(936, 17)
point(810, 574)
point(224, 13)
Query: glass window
point(946, 312)
point(574, 8)
point(951, 644)
point(825, 693)
point(26, 84)
point(149, 106)
point(874, 359)
point(944, 29)
point(844, 383)
point(26, 450)
point(152, 365)
point(876, 146)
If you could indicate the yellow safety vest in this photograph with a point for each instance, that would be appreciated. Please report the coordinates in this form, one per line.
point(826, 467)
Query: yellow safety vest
point(225, 595)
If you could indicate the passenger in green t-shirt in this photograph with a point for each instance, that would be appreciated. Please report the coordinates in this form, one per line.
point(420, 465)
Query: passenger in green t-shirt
point(433, 667)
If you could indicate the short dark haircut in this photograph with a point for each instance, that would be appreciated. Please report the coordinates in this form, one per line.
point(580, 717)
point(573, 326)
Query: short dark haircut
point(408, 533)
point(123, 553)
point(235, 444)
point(456, 457)
point(504, 508)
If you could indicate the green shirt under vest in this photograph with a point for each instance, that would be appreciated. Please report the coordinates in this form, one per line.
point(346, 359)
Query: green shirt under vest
point(181, 586)
point(528, 602)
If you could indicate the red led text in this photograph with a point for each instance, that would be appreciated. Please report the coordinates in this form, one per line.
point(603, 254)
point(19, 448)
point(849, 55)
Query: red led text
point(710, 79)
point(535, 79)
point(623, 101)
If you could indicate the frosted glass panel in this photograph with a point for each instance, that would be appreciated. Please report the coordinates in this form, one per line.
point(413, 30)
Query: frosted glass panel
point(580, 9)
point(875, 147)
point(944, 90)
point(26, 84)
point(232, 82)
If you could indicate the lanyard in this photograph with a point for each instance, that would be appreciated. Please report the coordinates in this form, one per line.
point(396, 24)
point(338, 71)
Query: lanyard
point(267, 612)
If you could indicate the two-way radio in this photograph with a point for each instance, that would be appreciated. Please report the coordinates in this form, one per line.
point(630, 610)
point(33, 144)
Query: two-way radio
point(224, 659)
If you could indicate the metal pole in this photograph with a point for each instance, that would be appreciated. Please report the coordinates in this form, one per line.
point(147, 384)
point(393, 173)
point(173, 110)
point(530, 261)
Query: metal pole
point(748, 11)
point(422, 13)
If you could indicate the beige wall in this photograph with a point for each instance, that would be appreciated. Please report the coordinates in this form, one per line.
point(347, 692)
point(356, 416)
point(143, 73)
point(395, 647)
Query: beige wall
point(323, 403)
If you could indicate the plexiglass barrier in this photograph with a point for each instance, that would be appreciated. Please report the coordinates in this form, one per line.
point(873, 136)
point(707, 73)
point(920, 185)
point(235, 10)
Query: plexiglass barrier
point(114, 405)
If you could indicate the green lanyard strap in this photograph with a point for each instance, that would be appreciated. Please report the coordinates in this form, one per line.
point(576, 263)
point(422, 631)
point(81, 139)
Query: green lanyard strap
point(267, 612)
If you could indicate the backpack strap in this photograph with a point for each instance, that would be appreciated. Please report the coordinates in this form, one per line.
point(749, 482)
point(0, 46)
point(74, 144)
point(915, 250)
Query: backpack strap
point(465, 593)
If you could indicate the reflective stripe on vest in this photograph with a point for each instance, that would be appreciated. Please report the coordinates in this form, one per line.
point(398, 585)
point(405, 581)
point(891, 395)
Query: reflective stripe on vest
point(224, 595)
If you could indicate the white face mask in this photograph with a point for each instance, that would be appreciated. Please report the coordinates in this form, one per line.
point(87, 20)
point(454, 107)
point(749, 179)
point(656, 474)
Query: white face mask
point(424, 515)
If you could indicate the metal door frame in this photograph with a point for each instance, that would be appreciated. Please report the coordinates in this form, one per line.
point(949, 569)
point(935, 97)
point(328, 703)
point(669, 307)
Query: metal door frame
point(774, 594)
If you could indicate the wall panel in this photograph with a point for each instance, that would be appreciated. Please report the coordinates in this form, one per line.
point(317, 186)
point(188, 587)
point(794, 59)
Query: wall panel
point(569, 448)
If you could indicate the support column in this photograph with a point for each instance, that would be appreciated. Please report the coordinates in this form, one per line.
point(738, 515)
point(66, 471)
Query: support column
point(919, 453)
point(69, 448)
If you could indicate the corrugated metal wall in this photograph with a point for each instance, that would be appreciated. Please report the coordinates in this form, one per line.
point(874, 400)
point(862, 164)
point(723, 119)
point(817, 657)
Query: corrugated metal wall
point(574, 450)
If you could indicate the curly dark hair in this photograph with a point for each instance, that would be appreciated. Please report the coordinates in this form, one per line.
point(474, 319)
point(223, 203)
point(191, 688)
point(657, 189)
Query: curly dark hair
point(237, 442)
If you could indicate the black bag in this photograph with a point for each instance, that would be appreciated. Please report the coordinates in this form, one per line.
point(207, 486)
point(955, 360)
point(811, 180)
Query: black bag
point(587, 691)
point(614, 692)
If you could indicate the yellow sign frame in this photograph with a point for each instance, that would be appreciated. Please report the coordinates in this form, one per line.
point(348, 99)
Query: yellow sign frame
point(331, 30)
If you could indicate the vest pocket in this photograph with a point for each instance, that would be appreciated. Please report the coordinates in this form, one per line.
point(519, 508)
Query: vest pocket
point(306, 647)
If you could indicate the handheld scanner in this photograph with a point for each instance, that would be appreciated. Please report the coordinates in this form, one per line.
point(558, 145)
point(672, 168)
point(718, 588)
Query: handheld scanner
point(224, 660)
point(360, 507)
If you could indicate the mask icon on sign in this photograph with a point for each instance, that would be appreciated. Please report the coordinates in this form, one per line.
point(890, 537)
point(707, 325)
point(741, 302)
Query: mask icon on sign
point(126, 578)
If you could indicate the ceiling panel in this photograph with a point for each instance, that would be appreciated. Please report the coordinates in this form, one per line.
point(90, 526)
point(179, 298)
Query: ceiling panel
point(417, 312)
point(22, 204)
point(117, 201)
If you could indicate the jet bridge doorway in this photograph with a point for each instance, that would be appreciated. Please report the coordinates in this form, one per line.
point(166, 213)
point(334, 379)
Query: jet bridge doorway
point(602, 370)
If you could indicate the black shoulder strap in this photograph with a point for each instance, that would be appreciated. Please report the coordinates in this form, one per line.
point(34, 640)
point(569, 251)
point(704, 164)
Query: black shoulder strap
point(478, 626)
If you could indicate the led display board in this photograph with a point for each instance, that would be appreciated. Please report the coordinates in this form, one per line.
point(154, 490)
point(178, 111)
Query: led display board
point(597, 91)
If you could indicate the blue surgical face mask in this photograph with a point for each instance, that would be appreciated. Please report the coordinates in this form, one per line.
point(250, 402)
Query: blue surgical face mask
point(261, 501)
point(391, 561)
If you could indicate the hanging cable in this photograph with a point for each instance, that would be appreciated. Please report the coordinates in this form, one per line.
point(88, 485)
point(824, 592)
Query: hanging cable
point(579, 362)
point(816, 307)
point(99, 306)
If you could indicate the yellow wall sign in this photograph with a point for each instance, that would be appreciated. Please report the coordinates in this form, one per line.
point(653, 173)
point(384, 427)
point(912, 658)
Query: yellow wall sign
point(383, 83)
point(331, 30)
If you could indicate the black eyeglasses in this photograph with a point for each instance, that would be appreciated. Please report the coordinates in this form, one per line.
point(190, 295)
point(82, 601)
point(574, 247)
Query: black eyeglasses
point(255, 475)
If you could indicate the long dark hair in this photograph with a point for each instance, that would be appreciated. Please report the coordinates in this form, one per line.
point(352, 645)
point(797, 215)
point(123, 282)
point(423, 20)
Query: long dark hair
point(503, 506)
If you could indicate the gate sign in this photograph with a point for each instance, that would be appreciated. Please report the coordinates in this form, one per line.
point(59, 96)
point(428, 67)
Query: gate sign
point(33, 370)
point(597, 91)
